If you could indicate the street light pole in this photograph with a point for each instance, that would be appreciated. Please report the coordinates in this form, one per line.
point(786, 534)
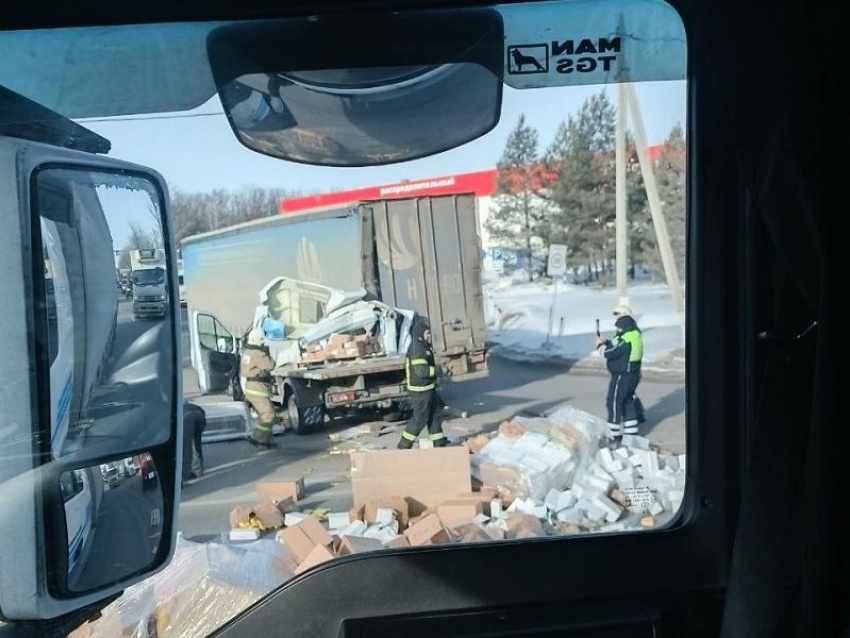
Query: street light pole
point(659, 222)
point(622, 246)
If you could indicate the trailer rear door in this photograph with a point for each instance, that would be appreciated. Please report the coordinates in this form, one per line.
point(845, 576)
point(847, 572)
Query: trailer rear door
point(438, 279)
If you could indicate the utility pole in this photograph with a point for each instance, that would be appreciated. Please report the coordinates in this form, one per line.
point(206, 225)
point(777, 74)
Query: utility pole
point(622, 247)
point(658, 220)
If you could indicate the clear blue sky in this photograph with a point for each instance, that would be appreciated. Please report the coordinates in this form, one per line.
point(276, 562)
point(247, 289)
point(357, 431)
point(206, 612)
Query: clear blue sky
point(201, 153)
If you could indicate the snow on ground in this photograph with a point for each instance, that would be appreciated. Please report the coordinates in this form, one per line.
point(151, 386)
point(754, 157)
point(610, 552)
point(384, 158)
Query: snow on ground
point(518, 317)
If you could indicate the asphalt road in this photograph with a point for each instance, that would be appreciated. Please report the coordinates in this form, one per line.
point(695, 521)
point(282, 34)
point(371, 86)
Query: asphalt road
point(511, 388)
point(126, 536)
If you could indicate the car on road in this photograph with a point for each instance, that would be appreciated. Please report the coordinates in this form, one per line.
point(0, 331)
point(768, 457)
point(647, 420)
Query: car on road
point(148, 470)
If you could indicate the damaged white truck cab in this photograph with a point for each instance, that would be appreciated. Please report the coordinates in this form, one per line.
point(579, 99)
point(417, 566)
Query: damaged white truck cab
point(299, 319)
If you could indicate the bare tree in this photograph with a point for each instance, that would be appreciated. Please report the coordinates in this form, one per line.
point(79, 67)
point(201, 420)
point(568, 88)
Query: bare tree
point(196, 213)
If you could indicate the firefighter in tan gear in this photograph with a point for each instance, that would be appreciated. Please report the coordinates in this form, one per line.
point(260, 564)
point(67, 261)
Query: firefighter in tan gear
point(256, 366)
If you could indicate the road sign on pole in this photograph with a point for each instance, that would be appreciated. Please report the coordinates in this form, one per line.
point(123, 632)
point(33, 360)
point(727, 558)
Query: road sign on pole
point(498, 260)
point(557, 266)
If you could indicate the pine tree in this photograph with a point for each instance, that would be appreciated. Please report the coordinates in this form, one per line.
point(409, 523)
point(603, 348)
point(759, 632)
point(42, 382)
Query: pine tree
point(519, 219)
point(582, 153)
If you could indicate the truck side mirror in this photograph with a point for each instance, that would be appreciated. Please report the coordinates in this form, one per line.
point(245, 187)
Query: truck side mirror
point(89, 478)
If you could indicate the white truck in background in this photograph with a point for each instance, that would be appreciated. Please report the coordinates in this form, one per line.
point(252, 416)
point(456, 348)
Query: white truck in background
point(150, 290)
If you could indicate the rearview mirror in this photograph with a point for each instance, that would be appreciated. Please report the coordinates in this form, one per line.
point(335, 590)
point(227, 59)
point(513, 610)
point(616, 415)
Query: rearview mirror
point(89, 481)
point(296, 89)
point(121, 499)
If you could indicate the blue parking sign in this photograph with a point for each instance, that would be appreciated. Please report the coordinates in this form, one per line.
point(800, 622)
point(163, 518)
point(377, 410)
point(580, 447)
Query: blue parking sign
point(498, 260)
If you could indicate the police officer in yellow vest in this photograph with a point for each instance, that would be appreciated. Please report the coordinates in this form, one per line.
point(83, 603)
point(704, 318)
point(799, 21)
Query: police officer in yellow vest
point(422, 388)
point(623, 356)
point(256, 366)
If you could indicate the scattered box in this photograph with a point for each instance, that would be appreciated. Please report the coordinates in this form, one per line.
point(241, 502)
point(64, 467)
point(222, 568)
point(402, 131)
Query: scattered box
point(293, 518)
point(357, 544)
point(383, 533)
point(266, 514)
point(338, 341)
point(338, 520)
point(570, 516)
point(523, 526)
point(398, 542)
point(427, 531)
point(625, 478)
point(458, 511)
point(618, 497)
point(494, 532)
point(358, 512)
point(557, 500)
point(385, 516)
point(355, 528)
point(496, 508)
point(425, 477)
point(318, 555)
point(245, 534)
point(469, 533)
point(485, 496)
point(395, 503)
point(607, 460)
point(622, 452)
point(300, 539)
point(277, 491)
point(523, 505)
point(612, 510)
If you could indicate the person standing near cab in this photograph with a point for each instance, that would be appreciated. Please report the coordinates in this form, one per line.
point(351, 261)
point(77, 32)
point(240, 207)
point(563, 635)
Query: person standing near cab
point(422, 388)
point(256, 366)
point(194, 424)
point(623, 355)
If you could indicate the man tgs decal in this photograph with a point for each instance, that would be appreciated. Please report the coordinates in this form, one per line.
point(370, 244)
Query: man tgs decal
point(568, 56)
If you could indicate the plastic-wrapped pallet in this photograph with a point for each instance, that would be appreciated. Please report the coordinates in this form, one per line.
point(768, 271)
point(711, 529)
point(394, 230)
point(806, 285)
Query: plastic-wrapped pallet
point(204, 586)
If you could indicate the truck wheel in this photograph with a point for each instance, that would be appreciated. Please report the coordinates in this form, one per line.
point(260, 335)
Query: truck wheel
point(234, 390)
point(304, 420)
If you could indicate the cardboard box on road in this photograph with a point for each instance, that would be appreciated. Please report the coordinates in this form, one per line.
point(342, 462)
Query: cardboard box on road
point(277, 491)
point(300, 539)
point(358, 512)
point(357, 544)
point(485, 496)
point(425, 477)
point(318, 555)
point(459, 511)
point(398, 543)
point(268, 514)
point(395, 503)
point(427, 531)
point(523, 526)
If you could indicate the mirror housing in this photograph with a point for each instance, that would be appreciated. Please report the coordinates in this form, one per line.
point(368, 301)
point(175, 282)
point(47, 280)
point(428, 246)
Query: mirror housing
point(49, 494)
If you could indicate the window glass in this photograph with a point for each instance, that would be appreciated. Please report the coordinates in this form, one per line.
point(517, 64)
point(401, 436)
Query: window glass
point(517, 300)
